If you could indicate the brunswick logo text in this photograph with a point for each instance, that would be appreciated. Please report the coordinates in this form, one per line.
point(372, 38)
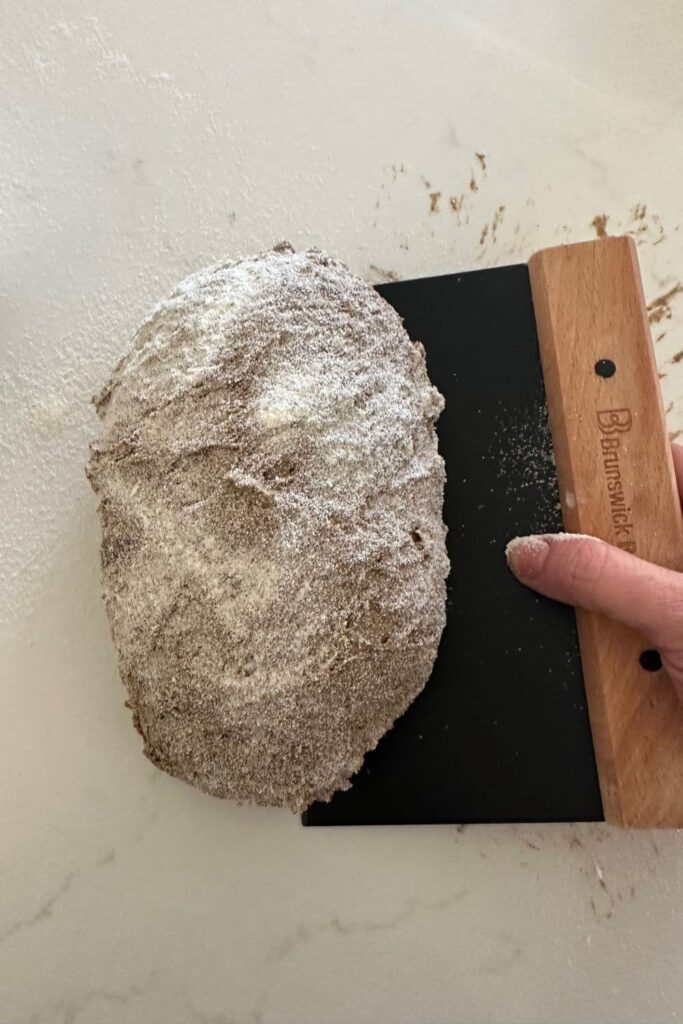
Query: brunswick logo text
point(614, 424)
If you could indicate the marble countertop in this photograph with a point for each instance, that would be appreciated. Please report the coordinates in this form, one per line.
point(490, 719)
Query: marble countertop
point(138, 142)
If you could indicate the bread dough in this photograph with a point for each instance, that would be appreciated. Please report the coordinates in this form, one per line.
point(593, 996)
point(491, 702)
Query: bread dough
point(273, 549)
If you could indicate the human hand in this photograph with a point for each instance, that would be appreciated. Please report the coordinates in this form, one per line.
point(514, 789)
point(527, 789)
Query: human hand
point(601, 578)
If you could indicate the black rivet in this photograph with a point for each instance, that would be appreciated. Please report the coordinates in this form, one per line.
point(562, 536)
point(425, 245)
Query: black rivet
point(605, 368)
point(651, 661)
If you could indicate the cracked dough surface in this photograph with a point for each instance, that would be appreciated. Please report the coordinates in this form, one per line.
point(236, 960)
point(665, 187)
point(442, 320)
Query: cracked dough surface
point(273, 549)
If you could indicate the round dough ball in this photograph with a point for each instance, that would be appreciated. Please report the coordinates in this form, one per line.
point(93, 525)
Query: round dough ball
point(273, 552)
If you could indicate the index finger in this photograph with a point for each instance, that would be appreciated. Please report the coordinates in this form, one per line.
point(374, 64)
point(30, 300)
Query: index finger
point(586, 572)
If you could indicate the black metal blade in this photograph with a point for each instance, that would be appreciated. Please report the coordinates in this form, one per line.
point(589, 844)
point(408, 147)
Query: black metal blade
point(501, 731)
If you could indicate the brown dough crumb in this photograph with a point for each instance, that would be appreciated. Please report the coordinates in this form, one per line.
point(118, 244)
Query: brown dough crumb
point(599, 223)
point(660, 308)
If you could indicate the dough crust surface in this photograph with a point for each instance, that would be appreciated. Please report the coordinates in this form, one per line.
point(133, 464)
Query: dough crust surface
point(273, 551)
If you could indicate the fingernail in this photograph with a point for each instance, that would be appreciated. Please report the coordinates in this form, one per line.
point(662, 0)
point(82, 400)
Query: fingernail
point(526, 556)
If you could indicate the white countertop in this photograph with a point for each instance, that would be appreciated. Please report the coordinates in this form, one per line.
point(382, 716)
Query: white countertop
point(139, 141)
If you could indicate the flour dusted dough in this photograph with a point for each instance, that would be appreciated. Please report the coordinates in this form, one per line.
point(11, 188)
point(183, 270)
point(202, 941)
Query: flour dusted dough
point(273, 552)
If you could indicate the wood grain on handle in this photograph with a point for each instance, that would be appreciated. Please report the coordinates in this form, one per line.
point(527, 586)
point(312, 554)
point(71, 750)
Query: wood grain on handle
point(616, 480)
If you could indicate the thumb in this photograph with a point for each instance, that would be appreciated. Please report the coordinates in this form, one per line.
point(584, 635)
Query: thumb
point(586, 572)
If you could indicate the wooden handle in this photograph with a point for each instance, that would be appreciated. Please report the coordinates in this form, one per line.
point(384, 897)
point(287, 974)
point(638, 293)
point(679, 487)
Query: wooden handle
point(616, 479)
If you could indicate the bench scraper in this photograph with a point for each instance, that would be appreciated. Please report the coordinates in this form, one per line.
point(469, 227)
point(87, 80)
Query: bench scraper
point(553, 420)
